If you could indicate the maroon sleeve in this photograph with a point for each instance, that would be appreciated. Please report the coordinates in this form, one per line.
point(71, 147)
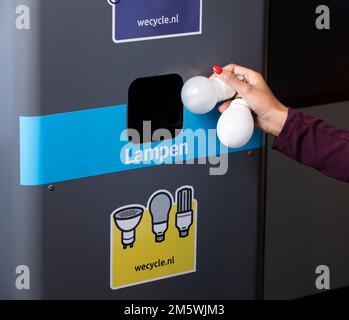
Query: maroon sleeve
point(316, 144)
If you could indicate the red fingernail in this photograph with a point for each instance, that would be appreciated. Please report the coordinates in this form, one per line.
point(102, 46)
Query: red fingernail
point(217, 69)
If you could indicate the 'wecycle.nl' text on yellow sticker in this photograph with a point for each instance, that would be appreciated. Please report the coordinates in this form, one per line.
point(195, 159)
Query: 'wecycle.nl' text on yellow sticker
point(154, 242)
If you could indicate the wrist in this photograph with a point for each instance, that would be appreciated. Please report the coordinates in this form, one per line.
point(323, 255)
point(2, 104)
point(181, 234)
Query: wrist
point(278, 120)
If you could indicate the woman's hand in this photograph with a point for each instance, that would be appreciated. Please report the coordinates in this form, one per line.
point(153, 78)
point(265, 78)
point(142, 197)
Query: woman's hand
point(270, 114)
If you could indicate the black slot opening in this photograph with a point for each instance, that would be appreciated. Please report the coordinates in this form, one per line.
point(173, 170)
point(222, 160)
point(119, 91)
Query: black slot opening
point(158, 100)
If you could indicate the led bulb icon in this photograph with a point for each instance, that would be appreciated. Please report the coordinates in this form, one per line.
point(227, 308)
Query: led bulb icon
point(159, 206)
point(200, 94)
point(127, 219)
point(184, 216)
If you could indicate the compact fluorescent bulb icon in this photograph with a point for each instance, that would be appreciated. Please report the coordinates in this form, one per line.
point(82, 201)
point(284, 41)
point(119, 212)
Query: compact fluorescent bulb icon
point(159, 207)
point(127, 219)
point(235, 126)
point(184, 216)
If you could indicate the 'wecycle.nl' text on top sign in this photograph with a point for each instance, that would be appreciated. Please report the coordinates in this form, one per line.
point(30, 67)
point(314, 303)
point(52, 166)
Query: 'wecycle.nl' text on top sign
point(139, 20)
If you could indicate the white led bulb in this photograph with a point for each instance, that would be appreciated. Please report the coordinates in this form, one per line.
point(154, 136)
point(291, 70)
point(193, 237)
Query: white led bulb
point(200, 94)
point(235, 126)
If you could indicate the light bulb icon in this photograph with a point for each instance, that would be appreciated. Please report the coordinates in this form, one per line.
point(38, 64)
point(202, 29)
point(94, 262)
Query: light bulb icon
point(184, 216)
point(127, 219)
point(159, 206)
point(235, 126)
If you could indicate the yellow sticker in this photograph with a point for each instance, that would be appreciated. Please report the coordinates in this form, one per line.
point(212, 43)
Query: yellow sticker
point(154, 242)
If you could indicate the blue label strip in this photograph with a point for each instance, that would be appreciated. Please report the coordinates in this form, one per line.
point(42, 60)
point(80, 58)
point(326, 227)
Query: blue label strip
point(73, 145)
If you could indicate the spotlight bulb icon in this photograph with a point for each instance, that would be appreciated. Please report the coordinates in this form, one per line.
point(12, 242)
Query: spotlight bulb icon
point(159, 206)
point(127, 219)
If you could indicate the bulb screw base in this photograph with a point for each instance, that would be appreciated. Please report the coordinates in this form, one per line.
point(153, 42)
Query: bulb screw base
point(159, 238)
point(184, 233)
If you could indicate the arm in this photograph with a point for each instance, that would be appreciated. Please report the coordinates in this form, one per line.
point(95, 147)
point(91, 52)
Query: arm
point(314, 143)
point(301, 137)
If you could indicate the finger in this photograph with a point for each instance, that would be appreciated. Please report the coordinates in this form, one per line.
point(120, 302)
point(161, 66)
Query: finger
point(239, 86)
point(250, 75)
point(237, 68)
point(224, 106)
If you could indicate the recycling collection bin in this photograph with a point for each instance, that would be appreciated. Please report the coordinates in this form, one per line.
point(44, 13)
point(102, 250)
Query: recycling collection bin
point(111, 189)
point(88, 208)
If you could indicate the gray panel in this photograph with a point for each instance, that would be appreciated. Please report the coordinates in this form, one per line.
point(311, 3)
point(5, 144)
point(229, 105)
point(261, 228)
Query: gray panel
point(6, 96)
point(307, 221)
point(83, 68)
point(76, 232)
point(20, 208)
